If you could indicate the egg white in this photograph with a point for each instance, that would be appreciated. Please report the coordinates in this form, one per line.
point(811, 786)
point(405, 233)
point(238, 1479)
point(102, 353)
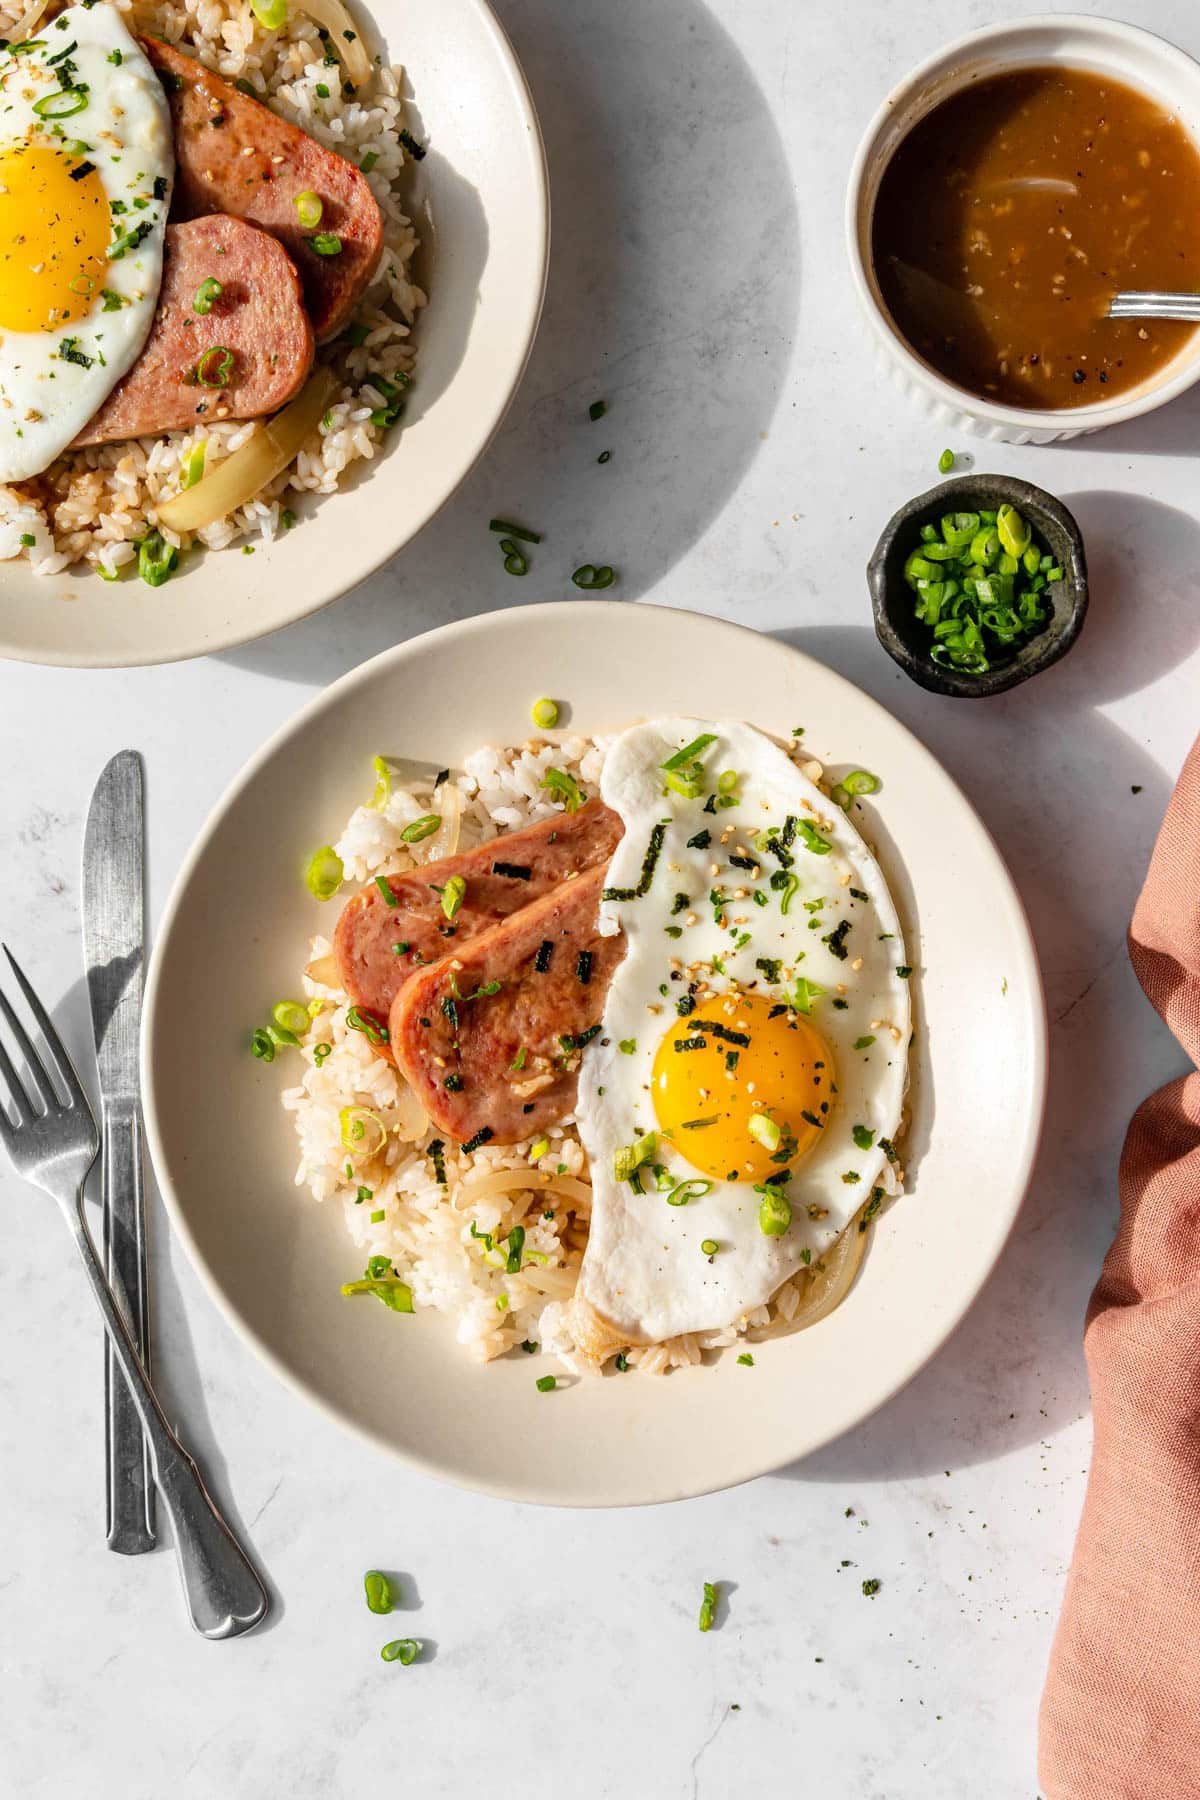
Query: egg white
point(644, 1271)
point(46, 399)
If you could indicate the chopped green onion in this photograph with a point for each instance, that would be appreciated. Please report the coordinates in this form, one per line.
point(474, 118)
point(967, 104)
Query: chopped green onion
point(308, 209)
point(515, 560)
point(193, 465)
point(863, 1137)
point(401, 1650)
point(324, 874)
point(627, 1046)
point(368, 162)
point(628, 1160)
point(209, 290)
point(516, 1243)
point(597, 410)
point(383, 784)
point(592, 575)
point(863, 1043)
point(63, 104)
point(214, 367)
point(395, 1294)
point(378, 1591)
point(539, 1148)
point(774, 1211)
point(453, 894)
point(262, 1047)
point(320, 1052)
point(684, 1191)
point(378, 1217)
point(945, 462)
point(506, 528)
point(421, 828)
point(326, 243)
point(708, 1605)
point(565, 787)
point(157, 560)
point(709, 1246)
point(546, 1384)
point(861, 781)
point(291, 1016)
point(544, 714)
point(765, 1131)
point(746, 1359)
point(271, 14)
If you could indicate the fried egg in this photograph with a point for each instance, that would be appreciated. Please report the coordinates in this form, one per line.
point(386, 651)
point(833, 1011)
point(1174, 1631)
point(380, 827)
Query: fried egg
point(740, 1106)
point(86, 162)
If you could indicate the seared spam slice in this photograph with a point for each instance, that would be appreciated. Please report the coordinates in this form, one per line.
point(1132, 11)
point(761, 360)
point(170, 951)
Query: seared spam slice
point(234, 155)
point(182, 377)
point(490, 1039)
point(382, 938)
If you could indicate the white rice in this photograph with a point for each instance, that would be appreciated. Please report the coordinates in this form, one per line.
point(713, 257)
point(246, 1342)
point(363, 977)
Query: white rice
point(425, 1232)
point(92, 506)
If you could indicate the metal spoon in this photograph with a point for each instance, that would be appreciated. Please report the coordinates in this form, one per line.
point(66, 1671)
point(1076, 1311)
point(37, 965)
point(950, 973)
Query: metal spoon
point(1182, 308)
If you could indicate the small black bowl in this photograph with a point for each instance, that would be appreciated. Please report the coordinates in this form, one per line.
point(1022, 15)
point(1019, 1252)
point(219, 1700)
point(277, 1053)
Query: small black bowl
point(907, 641)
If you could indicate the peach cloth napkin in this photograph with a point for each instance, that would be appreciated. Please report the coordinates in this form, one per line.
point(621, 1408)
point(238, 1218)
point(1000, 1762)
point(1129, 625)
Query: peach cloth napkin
point(1120, 1716)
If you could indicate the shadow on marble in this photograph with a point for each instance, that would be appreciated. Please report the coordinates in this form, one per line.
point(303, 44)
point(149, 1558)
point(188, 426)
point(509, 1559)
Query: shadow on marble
point(1077, 843)
point(681, 318)
point(1173, 431)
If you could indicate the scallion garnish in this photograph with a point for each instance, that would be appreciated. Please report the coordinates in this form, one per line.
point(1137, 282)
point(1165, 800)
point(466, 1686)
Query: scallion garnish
point(515, 560)
point(360, 1019)
point(774, 1210)
point(401, 1650)
point(684, 1191)
point(157, 560)
point(592, 575)
point(209, 290)
point(326, 243)
point(308, 209)
point(215, 367)
point(506, 528)
point(632, 1157)
point(453, 894)
point(565, 787)
point(863, 1137)
point(597, 410)
point(709, 1246)
point(546, 1384)
point(324, 874)
point(863, 1043)
point(378, 1590)
point(765, 1130)
point(421, 828)
point(544, 714)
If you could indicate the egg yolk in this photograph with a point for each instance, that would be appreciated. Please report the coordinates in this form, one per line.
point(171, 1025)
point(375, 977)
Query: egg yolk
point(729, 1060)
point(54, 235)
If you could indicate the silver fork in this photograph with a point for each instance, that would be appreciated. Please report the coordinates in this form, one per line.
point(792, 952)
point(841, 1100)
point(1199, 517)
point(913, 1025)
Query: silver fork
point(54, 1144)
point(1149, 304)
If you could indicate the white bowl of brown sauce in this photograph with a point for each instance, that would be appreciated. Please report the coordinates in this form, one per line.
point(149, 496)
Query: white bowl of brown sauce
point(1002, 194)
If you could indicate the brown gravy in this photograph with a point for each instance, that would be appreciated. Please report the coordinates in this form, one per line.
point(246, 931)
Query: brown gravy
point(1010, 215)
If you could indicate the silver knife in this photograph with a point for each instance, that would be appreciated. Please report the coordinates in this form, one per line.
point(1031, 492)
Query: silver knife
point(113, 946)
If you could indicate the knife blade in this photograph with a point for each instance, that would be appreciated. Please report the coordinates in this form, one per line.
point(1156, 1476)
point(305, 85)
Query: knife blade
point(114, 945)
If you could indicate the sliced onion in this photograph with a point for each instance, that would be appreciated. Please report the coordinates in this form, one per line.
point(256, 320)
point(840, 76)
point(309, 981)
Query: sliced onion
point(242, 476)
point(510, 1181)
point(828, 1287)
point(337, 21)
point(413, 1119)
point(444, 842)
point(324, 970)
point(24, 26)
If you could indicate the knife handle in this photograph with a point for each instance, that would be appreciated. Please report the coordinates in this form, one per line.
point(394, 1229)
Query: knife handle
point(129, 1484)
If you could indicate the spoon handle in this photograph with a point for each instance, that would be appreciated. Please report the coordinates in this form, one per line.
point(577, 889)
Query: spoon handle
point(1151, 305)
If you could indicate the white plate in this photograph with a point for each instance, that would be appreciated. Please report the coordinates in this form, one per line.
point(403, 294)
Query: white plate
point(235, 934)
point(484, 183)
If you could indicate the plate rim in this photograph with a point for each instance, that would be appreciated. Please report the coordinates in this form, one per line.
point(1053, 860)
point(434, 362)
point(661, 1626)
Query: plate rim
point(528, 323)
point(580, 614)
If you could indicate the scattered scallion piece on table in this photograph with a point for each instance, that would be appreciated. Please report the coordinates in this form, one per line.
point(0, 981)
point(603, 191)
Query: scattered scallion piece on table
point(378, 1590)
point(515, 560)
point(945, 462)
point(597, 410)
point(708, 1606)
point(544, 714)
point(401, 1650)
point(709, 1246)
point(506, 528)
point(591, 576)
point(290, 1015)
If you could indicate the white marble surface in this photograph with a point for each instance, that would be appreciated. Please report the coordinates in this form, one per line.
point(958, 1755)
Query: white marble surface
point(698, 156)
